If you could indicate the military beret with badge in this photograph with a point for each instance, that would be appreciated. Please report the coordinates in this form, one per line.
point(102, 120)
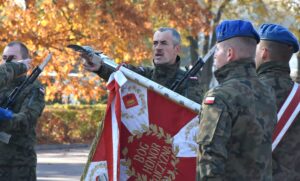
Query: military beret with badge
point(235, 28)
point(277, 33)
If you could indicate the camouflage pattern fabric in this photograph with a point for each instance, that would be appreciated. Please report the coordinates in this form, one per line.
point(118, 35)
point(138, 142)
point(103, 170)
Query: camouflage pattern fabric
point(20, 152)
point(18, 173)
point(9, 71)
point(236, 124)
point(286, 156)
point(165, 75)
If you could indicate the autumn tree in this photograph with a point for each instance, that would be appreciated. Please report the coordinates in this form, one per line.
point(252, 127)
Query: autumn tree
point(121, 29)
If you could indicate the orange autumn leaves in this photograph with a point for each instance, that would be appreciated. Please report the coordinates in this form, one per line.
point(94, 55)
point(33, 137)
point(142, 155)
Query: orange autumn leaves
point(121, 29)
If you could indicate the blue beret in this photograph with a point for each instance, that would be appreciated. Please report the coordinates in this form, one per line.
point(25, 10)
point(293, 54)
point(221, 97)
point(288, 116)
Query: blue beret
point(278, 33)
point(235, 28)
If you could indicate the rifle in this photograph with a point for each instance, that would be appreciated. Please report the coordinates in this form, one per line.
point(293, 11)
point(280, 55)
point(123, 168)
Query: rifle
point(4, 137)
point(90, 52)
point(29, 80)
point(192, 72)
point(99, 55)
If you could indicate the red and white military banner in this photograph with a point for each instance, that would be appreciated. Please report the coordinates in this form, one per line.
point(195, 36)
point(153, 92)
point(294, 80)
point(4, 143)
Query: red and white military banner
point(145, 136)
point(287, 115)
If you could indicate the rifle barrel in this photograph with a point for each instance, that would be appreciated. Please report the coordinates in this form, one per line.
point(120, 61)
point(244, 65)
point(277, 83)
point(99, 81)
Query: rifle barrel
point(45, 62)
point(192, 72)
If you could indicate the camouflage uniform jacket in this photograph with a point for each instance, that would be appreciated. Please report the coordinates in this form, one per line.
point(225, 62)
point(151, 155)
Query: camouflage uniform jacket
point(236, 124)
point(9, 71)
point(286, 157)
point(27, 109)
point(164, 75)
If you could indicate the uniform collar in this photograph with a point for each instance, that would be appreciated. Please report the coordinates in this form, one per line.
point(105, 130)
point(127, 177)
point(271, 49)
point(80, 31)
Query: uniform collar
point(164, 73)
point(276, 67)
point(236, 69)
point(168, 68)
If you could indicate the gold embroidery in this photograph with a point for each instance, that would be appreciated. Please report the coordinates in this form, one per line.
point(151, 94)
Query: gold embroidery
point(192, 125)
point(153, 157)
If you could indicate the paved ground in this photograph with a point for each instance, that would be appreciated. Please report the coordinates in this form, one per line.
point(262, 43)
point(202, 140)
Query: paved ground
point(61, 162)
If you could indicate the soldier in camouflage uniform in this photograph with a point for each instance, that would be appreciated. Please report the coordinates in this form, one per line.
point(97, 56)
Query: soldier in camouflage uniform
point(18, 158)
point(8, 72)
point(166, 71)
point(237, 116)
point(273, 54)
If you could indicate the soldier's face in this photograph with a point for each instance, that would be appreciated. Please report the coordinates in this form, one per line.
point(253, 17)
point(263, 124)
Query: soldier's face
point(164, 50)
point(12, 51)
point(220, 56)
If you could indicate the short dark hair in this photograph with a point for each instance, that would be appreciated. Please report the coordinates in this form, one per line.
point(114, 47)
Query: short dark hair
point(245, 46)
point(279, 51)
point(175, 34)
point(23, 49)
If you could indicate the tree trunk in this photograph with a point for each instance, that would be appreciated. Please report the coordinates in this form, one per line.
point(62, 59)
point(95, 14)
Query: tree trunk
point(206, 73)
point(193, 49)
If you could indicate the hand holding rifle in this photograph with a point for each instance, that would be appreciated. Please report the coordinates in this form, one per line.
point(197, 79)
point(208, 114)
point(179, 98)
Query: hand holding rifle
point(92, 59)
point(29, 80)
point(26, 61)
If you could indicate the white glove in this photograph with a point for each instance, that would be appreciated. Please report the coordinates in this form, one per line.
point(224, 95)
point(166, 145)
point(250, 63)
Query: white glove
point(92, 63)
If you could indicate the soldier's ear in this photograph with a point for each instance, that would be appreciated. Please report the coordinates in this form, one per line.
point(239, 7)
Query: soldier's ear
point(178, 48)
point(231, 54)
point(264, 53)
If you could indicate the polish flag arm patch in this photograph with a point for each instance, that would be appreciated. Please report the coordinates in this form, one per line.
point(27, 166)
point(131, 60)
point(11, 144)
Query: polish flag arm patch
point(194, 78)
point(209, 100)
point(42, 90)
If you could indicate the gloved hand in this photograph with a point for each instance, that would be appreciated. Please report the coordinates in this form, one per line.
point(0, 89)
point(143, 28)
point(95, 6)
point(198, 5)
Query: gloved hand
point(5, 114)
point(92, 62)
